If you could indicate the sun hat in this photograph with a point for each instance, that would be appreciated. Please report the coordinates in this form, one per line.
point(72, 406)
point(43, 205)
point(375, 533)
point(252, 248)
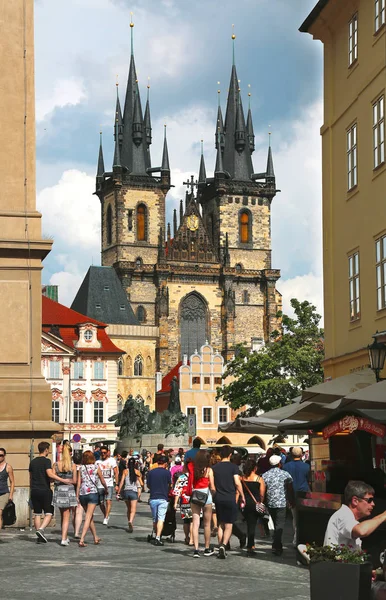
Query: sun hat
point(274, 460)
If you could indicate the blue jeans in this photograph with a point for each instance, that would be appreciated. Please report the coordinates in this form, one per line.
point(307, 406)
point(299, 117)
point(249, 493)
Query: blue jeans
point(158, 509)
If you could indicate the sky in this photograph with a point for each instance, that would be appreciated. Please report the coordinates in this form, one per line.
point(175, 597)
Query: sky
point(82, 48)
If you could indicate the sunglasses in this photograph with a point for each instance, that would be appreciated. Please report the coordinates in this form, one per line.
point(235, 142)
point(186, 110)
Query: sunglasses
point(368, 500)
point(2, 455)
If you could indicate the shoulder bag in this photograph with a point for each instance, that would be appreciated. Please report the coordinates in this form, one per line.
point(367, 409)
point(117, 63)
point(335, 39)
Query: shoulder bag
point(260, 506)
point(199, 497)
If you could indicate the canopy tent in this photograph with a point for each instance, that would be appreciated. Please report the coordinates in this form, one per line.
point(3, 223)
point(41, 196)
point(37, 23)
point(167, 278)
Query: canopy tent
point(372, 396)
point(333, 390)
point(318, 424)
point(265, 423)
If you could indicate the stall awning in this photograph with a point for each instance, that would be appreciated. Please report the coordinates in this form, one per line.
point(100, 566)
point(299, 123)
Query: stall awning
point(378, 416)
point(265, 423)
point(372, 396)
point(333, 390)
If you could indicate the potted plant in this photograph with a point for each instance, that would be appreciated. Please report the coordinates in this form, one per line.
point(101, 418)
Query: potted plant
point(339, 573)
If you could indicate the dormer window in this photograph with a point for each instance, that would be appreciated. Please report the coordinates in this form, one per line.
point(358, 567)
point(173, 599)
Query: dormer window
point(88, 335)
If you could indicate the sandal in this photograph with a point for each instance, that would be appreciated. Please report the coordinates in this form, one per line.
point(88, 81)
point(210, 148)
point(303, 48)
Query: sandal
point(82, 544)
point(97, 541)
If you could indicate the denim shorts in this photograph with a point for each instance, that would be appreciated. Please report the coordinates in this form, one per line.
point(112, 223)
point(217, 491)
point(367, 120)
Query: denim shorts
point(158, 509)
point(88, 499)
point(130, 495)
point(105, 495)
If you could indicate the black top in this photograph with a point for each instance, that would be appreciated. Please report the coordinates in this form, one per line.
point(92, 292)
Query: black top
point(39, 479)
point(224, 482)
point(254, 487)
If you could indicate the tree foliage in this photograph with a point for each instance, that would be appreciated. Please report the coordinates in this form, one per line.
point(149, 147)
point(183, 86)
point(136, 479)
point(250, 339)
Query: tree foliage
point(288, 364)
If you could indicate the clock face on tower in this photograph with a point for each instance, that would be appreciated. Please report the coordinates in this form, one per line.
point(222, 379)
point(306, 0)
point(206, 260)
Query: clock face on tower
point(192, 222)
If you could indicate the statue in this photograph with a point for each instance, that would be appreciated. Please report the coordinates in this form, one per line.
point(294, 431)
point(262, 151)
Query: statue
point(133, 419)
point(174, 402)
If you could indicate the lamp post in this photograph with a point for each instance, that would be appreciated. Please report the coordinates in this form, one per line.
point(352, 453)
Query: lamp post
point(377, 356)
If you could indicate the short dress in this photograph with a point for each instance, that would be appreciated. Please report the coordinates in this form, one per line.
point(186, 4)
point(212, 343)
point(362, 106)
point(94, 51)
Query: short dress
point(180, 489)
point(64, 495)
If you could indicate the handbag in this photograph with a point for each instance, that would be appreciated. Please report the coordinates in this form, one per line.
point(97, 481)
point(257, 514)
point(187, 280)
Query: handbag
point(199, 497)
point(9, 513)
point(260, 506)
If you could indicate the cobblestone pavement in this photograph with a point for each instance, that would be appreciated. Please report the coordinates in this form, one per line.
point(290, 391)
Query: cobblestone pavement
point(126, 566)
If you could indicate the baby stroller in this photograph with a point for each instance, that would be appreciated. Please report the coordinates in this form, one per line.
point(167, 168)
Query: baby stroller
point(170, 525)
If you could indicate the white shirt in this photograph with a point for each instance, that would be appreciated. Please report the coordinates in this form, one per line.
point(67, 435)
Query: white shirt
point(107, 467)
point(339, 528)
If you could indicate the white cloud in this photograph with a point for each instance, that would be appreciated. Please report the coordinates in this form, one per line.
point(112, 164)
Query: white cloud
point(68, 284)
point(66, 92)
point(303, 287)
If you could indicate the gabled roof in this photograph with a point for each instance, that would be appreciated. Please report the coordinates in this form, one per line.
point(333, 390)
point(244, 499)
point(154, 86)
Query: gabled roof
point(166, 381)
point(68, 321)
point(101, 296)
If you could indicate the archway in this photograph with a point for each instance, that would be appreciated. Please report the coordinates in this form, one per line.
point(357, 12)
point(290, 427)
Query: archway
point(223, 440)
point(194, 326)
point(256, 440)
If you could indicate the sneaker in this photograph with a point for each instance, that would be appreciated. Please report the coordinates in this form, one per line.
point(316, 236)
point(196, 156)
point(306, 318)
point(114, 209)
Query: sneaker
point(41, 536)
point(130, 528)
point(208, 551)
point(64, 542)
point(196, 554)
point(222, 552)
point(243, 541)
point(158, 542)
point(106, 521)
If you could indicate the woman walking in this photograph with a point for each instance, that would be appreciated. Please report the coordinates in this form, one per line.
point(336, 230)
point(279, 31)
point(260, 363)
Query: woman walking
point(87, 493)
point(64, 494)
point(131, 482)
point(254, 491)
point(181, 497)
point(201, 479)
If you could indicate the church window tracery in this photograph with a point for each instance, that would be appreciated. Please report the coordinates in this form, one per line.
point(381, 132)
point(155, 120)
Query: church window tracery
point(193, 324)
point(120, 366)
point(138, 366)
point(141, 314)
point(141, 223)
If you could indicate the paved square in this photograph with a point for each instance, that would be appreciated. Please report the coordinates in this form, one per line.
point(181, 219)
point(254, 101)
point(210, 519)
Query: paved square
point(126, 566)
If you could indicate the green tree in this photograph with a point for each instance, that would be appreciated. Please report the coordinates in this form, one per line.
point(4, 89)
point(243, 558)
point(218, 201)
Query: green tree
point(290, 363)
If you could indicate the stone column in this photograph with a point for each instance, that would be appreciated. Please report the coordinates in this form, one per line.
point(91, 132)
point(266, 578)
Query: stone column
point(25, 397)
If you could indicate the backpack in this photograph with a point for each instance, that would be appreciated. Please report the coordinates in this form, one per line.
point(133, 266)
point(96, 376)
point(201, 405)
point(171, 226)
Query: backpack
point(9, 513)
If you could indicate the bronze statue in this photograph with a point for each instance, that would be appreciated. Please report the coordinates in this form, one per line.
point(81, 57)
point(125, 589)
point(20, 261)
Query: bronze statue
point(174, 401)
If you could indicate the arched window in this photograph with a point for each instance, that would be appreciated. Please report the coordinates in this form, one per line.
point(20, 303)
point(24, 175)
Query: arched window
point(109, 225)
point(141, 223)
point(239, 268)
point(120, 366)
point(138, 366)
point(194, 324)
point(245, 221)
point(138, 262)
point(119, 403)
point(129, 366)
point(245, 297)
point(141, 314)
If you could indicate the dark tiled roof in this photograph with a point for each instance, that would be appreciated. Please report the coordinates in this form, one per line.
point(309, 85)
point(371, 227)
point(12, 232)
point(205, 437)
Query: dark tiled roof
point(304, 27)
point(101, 296)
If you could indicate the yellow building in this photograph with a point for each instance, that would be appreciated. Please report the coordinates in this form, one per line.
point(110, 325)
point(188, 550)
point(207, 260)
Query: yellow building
point(353, 33)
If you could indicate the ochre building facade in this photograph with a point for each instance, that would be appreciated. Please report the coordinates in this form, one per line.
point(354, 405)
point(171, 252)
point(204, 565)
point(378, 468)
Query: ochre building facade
point(353, 33)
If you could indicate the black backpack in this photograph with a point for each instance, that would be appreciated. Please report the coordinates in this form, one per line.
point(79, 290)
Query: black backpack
point(9, 513)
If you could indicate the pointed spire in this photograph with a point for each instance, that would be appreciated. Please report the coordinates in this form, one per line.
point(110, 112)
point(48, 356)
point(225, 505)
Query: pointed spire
point(219, 166)
point(240, 135)
point(137, 121)
point(118, 114)
point(101, 162)
point(117, 154)
point(165, 154)
point(168, 233)
point(219, 124)
point(132, 34)
point(147, 119)
point(181, 211)
point(270, 174)
point(202, 172)
point(174, 222)
point(250, 132)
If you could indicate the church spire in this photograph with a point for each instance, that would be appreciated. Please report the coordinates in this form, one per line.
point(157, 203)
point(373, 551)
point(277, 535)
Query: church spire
point(219, 169)
point(240, 133)
point(270, 173)
point(219, 124)
point(118, 114)
point(165, 154)
point(147, 119)
point(117, 165)
point(101, 162)
point(250, 132)
point(137, 121)
point(202, 172)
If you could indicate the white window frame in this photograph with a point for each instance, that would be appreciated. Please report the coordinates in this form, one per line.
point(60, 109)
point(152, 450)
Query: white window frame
point(353, 40)
point(78, 366)
point(379, 14)
point(379, 131)
point(99, 408)
point(380, 271)
point(219, 409)
point(354, 286)
point(211, 415)
point(78, 405)
point(191, 407)
point(102, 366)
point(352, 156)
point(56, 411)
point(55, 375)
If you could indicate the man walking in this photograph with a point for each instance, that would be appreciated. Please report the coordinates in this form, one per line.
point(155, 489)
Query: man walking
point(6, 493)
point(227, 482)
point(278, 485)
point(159, 482)
point(191, 454)
point(109, 468)
point(41, 473)
point(300, 473)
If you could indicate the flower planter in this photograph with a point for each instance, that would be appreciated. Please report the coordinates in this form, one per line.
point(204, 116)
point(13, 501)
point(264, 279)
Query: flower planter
point(340, 581)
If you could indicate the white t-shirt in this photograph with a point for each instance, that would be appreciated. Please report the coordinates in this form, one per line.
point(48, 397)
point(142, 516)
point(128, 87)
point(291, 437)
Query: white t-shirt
point(107, 467)
point(339, 528)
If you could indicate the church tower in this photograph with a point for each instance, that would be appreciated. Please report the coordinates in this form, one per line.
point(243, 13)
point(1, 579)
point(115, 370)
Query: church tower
point(132, 197)
point(207, 278)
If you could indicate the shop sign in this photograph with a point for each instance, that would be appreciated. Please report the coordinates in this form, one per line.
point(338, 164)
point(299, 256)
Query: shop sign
point(350, 424)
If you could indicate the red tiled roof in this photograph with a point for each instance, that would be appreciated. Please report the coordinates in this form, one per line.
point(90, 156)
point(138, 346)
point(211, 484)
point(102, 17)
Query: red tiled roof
point(166, 381)
point(67, 319)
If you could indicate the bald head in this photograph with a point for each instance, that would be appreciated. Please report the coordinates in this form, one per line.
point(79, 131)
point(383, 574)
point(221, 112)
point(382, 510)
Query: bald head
point(297, 452)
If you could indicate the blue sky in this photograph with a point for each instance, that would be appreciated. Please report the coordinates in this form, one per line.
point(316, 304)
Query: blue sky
point(185, 48)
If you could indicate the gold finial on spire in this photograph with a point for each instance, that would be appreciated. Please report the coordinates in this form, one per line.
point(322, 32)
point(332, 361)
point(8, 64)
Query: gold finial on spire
point(131, 20)
point(233, 32)
point(148, 83)
point(117, 80)
point(249, 89)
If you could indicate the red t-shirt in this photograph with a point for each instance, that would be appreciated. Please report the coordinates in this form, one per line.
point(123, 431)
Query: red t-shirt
point(199, 484)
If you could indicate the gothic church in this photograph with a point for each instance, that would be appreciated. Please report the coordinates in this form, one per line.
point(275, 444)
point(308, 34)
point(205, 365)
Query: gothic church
point(208, 277)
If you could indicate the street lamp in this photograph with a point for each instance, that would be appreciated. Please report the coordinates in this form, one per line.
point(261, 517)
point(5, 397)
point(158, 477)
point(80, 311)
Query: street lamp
point(377, 356)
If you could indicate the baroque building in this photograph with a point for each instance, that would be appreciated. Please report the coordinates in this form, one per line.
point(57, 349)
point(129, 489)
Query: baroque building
point(207, 279)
